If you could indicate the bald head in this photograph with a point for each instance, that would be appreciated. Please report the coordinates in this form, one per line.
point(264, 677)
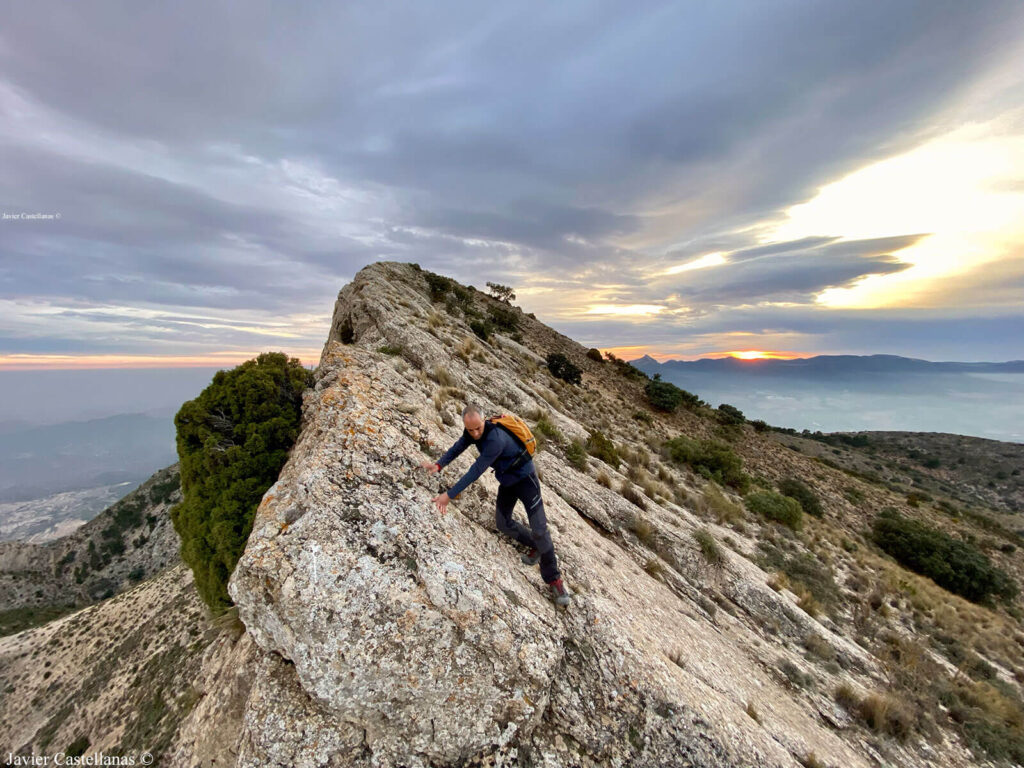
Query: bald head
point(473, 421)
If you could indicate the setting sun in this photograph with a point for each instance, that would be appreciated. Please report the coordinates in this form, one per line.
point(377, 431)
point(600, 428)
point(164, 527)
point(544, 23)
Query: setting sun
point(755, 354)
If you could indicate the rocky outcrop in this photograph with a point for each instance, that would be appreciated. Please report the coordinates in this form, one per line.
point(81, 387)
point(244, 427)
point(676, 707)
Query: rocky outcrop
point(381, 633)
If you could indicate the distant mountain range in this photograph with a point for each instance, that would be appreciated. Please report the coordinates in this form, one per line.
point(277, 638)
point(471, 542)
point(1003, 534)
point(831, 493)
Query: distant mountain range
point(825, 365)
point(853, 392)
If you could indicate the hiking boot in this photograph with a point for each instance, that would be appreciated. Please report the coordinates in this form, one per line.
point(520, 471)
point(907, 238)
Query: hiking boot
point(531, 558)
point(559, 592)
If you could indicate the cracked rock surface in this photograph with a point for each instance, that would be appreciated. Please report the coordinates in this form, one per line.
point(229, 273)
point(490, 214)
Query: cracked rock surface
point(379, 632)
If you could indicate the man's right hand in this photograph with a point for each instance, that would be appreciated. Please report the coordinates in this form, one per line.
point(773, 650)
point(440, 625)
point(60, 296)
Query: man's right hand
point(430, 466)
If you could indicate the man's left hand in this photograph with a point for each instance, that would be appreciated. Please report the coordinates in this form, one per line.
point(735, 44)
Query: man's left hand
point(441, 502)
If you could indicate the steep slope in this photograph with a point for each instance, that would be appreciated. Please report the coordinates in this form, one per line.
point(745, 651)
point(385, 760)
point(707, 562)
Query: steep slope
point(381, 633)
point(117, 674)
point(123, 545)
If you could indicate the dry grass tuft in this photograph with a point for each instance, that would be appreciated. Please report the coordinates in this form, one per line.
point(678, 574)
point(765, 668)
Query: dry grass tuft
point(753, 713)
point(709, 547)
point(441, 376)
point(724, 510)
point(630, 494)
point(643, 530)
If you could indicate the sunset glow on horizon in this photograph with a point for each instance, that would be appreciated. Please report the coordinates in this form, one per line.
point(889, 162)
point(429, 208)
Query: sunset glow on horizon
point(754, 354)
point(26, 362)
point(638, 351)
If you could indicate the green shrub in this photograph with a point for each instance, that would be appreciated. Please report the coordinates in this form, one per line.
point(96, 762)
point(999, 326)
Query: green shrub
point(663, 396)
point(710, 458)
point(667, 397)
point(775, 506)
point(232, 442)
point(576, 455)
point(482, 328)
point(601, 447)
point(952, 564)
point(504, 319)
point(595, 354)
point(643, 417)
point(546, 427)
point(730, 415)
point(760, 425)
point(562, 368)
point(389, 349)
point(807, 498)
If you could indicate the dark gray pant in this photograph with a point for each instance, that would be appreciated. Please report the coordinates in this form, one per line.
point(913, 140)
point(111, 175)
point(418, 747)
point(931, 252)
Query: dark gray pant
point(527, 490)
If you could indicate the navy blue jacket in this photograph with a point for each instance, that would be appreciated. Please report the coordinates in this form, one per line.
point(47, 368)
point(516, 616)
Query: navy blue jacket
point(497, 448)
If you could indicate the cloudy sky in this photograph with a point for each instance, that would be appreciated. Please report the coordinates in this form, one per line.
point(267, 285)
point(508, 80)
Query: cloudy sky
point(683, 179)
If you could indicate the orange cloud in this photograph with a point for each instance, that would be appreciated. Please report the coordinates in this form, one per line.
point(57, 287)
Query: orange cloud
point(30, 362)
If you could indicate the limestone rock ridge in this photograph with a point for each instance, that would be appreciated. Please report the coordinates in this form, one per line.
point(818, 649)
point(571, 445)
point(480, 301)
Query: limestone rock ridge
point(381, 633)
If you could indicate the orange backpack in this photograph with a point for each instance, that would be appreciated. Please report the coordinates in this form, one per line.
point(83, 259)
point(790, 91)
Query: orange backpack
point(518, 429)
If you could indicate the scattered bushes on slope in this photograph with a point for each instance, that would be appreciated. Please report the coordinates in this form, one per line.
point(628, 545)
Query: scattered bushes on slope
point(504, 319)
point(232, 442)
point(952, 564)
point(623, 368)
point(807, 498)
point(444, 289)
point(712, 459)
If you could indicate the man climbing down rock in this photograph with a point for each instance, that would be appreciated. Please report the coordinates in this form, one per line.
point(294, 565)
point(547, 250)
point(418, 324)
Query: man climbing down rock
point(517, 480)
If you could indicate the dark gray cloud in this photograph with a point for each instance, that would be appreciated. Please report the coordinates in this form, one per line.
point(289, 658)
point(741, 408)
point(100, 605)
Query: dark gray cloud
point(247, 156)
point(793, 275)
